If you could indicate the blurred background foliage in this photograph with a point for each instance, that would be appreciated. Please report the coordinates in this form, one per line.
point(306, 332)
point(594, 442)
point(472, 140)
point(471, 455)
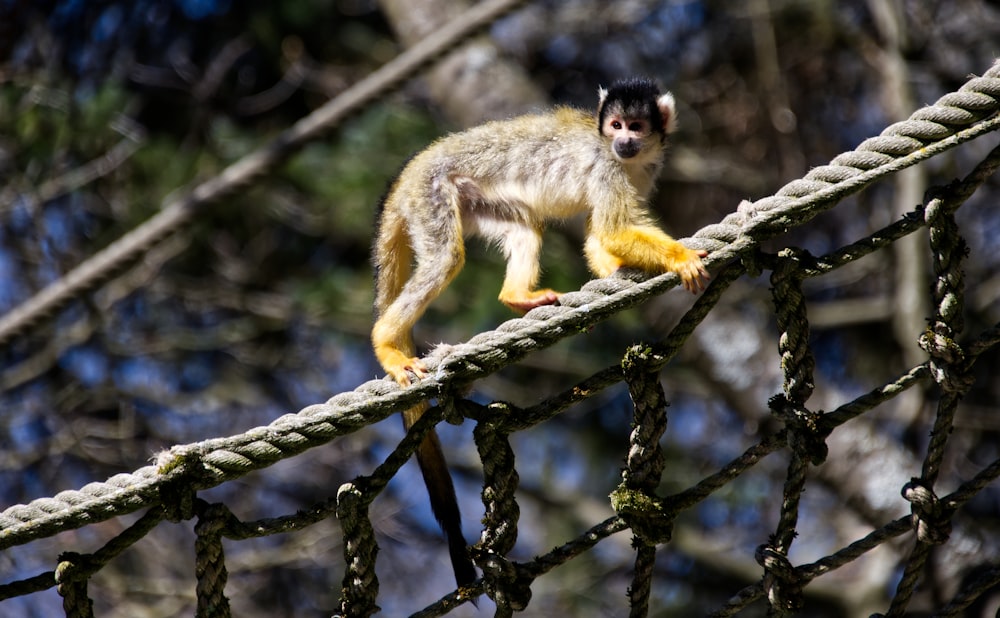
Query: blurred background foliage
point(262, 305)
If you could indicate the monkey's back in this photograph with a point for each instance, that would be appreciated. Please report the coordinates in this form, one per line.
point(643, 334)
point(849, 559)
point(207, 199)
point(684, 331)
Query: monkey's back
point(530, 168)
point(517, 146)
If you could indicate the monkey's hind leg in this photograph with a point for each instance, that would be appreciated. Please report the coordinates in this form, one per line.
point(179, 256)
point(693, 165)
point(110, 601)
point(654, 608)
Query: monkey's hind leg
point(522, 246)
point(392, 334)
point(393, 259)
point(400, 301)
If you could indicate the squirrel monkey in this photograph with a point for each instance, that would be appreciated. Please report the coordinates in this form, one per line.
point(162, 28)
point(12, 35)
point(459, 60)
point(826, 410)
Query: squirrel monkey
point(503, 180)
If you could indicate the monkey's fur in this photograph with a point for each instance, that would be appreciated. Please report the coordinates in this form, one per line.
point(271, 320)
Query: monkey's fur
point(503, 180)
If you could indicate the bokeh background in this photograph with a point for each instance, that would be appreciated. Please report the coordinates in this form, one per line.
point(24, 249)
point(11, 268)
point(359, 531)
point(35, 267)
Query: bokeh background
point(262, 306)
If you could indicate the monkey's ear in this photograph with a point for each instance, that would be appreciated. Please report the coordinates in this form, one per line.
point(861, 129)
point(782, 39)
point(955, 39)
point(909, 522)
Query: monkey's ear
point(602, 94)
point(668, 112)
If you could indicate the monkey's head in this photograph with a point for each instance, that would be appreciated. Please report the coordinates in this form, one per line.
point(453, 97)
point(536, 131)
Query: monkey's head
point(635, 117)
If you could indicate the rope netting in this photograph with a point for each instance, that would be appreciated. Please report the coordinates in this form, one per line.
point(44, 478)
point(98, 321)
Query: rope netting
point(169, 490)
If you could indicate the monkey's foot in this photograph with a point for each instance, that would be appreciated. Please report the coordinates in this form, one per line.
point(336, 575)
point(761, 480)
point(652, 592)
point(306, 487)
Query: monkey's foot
point(692, 271)
point(526, 301)
point(399, 365)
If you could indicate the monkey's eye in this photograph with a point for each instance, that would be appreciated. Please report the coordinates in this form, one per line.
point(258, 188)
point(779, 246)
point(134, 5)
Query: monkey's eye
point(616, 125)
point(636, 126)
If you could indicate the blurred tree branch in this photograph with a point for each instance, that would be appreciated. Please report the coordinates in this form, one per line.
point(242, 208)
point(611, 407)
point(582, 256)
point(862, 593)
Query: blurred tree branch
point(474, 82)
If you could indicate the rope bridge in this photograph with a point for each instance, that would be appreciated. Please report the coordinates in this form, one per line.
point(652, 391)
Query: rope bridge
point(169, 489)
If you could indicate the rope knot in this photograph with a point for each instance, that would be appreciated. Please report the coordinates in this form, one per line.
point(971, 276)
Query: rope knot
point(645, 514)
point(213, 519)
point(178, 499)
point(781, 583)
point(948, 365)
point(930, 517)
point(72, 566)
point(504, 584)
point(806, 431)
point(71, 577)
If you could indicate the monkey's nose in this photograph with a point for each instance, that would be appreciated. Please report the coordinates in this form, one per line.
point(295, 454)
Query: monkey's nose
point(627, 148)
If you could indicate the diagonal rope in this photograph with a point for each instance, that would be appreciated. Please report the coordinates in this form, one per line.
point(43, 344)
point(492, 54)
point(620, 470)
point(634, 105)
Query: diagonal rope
point(238, 176)
point(211, 462)
point(898, 527)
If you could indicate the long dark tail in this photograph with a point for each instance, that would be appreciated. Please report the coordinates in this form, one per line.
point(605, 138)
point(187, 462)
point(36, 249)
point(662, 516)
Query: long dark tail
point(441, 491)
point(392, 256)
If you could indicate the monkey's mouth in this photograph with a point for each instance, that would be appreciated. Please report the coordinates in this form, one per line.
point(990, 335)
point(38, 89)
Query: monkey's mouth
point(626, 149)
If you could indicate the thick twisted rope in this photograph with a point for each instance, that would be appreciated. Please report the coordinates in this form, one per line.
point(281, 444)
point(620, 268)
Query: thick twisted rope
point(931, 519)
point(784, 590)
point(501, 514)
point(928, 132)
point(360, 589)
point(643, 469)
point(210, 563)
point(898, 527)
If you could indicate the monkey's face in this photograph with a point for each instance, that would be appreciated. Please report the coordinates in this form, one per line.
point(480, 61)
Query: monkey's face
point(629, 135)
point(636, 119)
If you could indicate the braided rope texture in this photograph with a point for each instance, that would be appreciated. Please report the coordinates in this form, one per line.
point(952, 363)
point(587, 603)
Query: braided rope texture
point(952, 120)
point(170, 486)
